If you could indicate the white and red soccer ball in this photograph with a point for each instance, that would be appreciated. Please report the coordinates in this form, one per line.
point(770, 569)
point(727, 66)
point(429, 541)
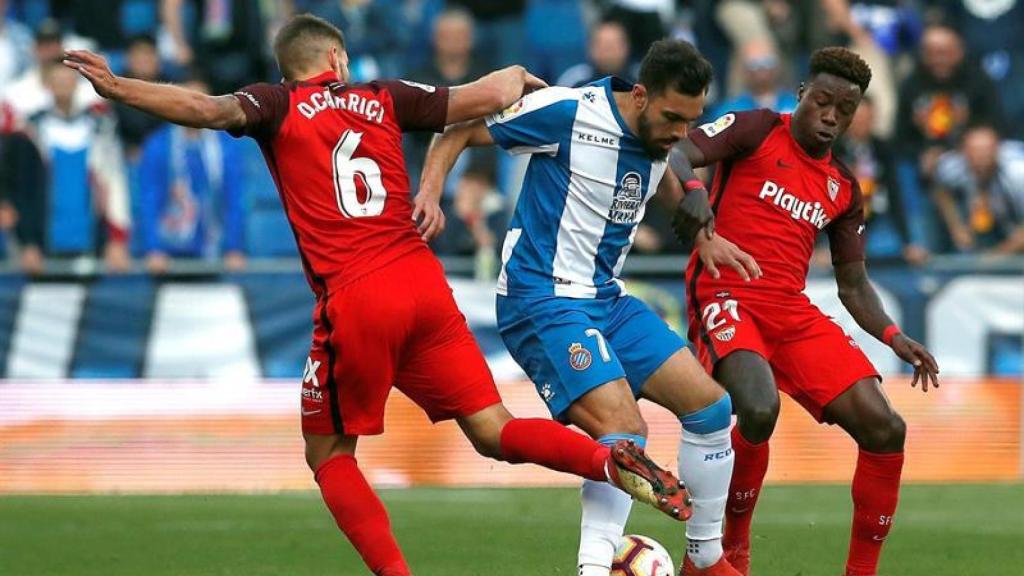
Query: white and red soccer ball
point(641, 556)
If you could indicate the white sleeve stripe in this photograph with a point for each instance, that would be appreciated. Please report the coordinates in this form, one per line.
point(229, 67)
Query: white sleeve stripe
point(549, 149)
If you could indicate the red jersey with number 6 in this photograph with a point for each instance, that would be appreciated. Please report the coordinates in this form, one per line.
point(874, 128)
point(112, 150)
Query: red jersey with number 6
point(335, 152)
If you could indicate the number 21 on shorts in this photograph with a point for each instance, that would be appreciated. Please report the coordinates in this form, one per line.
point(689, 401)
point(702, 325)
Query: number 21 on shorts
point(712, 314)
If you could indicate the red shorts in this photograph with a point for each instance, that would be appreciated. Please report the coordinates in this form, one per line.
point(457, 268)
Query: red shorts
point(813, 359)
point(397, 326)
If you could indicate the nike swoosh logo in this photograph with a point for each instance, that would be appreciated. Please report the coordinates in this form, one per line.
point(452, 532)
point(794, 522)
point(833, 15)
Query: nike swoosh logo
point(782, 164)
point(310, 412)
point(739, 510)
point(878, 538)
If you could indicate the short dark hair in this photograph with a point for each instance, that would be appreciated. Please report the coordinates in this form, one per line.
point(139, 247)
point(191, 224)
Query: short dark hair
point(675, 64)
point(298, 43)
point(841, 62)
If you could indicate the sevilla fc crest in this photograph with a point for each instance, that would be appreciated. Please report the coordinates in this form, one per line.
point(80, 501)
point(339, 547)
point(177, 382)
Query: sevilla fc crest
point(725, 334)
point(579, 357)
point(833, 188)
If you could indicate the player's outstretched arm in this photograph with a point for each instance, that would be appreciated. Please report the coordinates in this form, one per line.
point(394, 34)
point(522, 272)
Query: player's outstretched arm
point(490, 94)
point(172, 103)
point(441, 156)
point(860, 298)
point(693, 213)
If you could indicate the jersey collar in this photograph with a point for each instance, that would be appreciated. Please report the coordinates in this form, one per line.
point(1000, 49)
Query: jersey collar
point(614, 84)
point(323, 79)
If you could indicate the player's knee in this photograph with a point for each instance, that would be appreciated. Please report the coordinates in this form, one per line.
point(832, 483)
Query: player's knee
point(488, 447)
point(884, 434)
point(320, 449)
point(757, 421)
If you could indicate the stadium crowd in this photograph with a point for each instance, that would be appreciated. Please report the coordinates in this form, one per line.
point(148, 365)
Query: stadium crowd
point(937, 145)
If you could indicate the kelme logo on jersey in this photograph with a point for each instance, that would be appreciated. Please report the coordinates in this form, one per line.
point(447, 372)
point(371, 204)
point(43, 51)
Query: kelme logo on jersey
point(798, 209)
point(579, 357)
point(628, 199)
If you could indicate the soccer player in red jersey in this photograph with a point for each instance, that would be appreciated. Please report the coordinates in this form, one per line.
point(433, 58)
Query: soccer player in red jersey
point(776, 186)
point(384, 312)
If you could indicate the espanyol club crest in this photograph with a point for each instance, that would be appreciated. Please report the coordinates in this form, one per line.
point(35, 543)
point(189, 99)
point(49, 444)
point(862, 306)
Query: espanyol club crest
point(725, 334)
point(833, 188)
point(579, 357)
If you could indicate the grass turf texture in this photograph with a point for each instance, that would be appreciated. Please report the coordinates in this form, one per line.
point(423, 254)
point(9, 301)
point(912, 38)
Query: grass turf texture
point(799, 530)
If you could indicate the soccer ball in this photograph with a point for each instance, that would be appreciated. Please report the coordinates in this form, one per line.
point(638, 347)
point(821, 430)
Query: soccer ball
point(641, 556)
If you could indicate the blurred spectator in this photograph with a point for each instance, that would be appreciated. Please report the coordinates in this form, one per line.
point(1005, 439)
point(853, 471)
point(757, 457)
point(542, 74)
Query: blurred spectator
point(191, 196)
point(87, 198)
point(27, 95)
point(22, 190)
point(133, 126)
point(760, 65)
point(741, 21)
point(643, 20)
point(375, 34)
point(941, 98)
point(15, 47)
point(885, 208)
point(895, 25)
point(225, 38)
point(499, 27)
point(994, 35)
point(472, 178)
point(555, 36)
point(979, 190)
point(608, 55)
point(111, 24)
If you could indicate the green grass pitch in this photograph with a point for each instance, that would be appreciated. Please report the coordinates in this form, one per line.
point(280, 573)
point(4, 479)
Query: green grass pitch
point(799, 530)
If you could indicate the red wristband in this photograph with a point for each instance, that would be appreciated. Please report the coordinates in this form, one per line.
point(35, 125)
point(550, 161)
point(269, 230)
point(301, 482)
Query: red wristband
point(889, 333)
point(691, 185)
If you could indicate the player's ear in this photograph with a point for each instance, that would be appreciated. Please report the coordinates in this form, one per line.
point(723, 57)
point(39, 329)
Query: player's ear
point(640, 96)
point(800, 91)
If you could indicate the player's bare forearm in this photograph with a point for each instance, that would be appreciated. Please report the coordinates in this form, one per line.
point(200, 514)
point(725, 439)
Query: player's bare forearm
point(490, 94)
point(693, 211)
point(182, 106)
point(172, 103)
point(444, 151)
point(860, 298)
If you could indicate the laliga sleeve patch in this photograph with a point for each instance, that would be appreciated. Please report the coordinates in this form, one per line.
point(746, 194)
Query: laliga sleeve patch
point(513, 110)
point(715, 128)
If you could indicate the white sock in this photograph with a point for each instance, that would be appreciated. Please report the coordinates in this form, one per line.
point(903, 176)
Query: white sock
point(605, 512)
point(705, 466)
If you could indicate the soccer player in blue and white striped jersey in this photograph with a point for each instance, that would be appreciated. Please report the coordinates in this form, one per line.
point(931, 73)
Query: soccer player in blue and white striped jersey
point(597, 155)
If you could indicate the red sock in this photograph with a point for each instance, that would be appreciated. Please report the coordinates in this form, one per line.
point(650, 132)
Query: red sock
point(360, 515)
point(551, 445)
point(747, 477)
point(876, 490)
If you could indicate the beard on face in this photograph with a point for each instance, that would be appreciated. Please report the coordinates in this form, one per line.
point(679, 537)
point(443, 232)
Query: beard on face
point(650, 145)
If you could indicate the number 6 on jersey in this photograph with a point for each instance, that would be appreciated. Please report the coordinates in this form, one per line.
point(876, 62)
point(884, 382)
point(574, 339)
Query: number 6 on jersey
point(346, 168)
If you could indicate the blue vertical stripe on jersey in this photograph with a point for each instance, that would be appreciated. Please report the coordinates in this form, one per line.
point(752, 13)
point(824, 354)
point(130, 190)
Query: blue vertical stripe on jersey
point(548, 177)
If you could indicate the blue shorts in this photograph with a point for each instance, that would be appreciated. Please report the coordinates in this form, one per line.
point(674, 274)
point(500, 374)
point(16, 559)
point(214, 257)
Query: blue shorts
point(570, 346)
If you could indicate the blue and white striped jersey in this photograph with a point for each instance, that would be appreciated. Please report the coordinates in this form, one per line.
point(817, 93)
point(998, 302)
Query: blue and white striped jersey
point(585, 192)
